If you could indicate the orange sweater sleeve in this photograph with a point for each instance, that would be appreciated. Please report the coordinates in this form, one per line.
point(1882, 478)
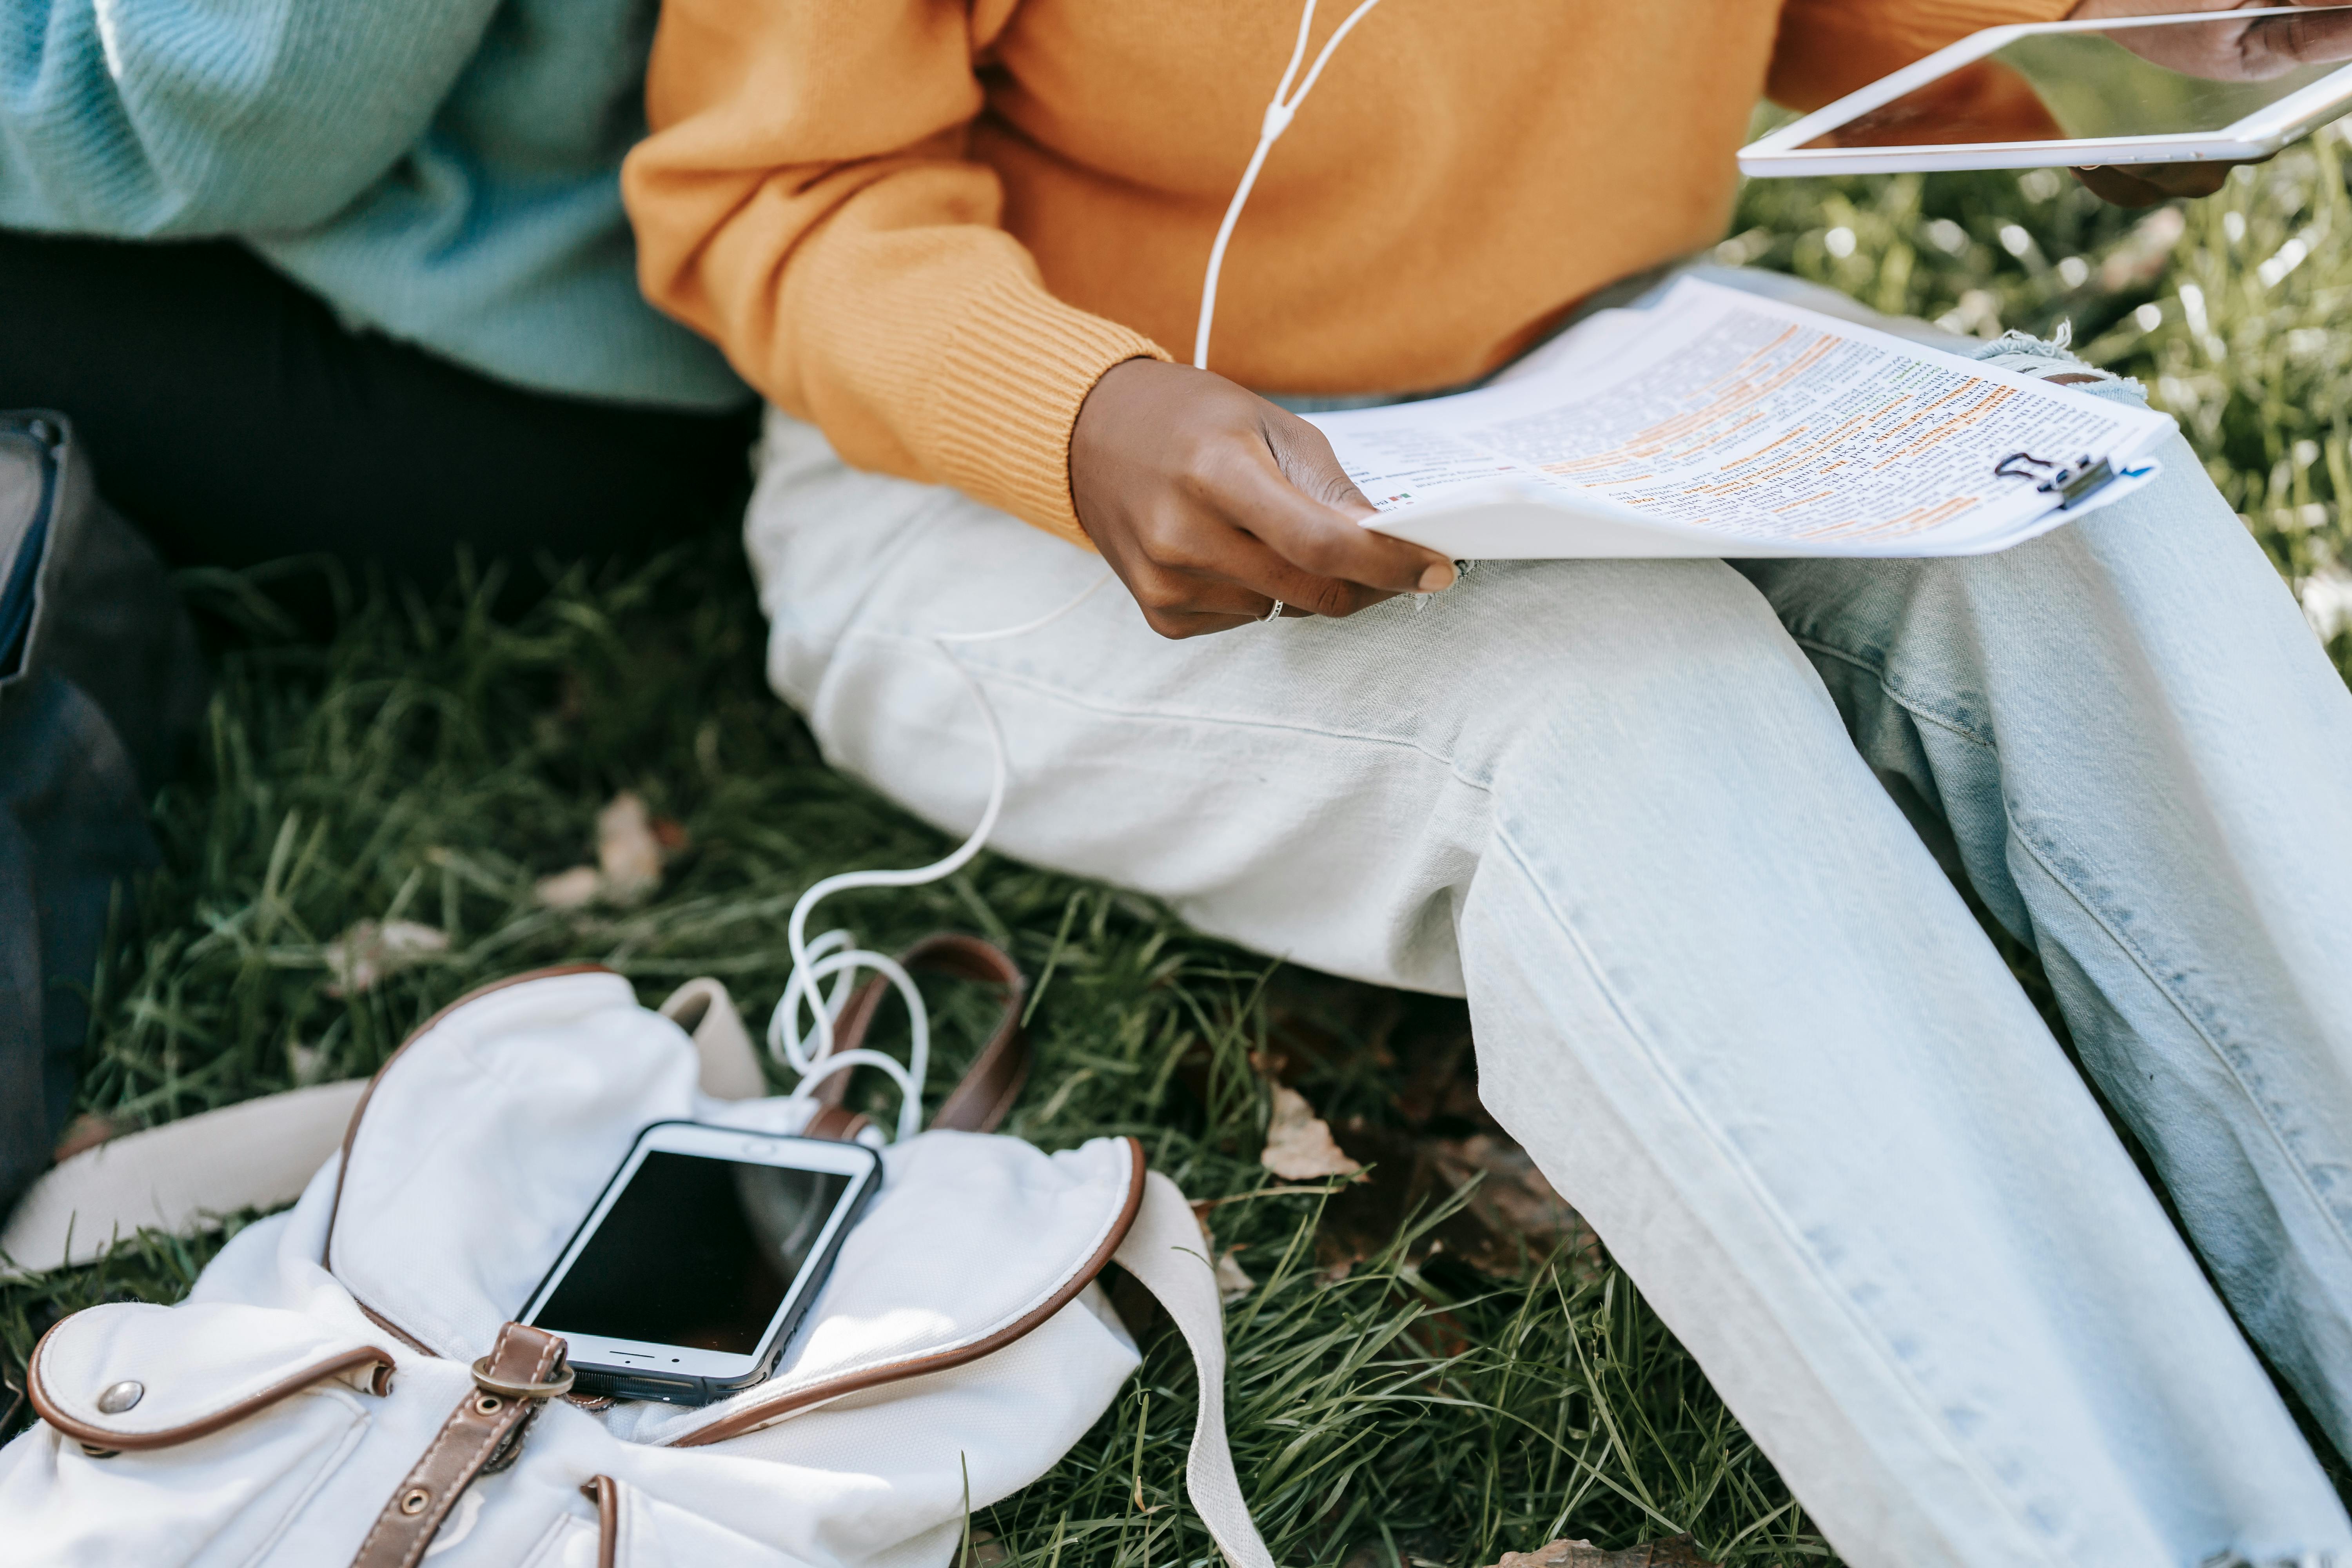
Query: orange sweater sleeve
point(1829, 47)
point(803, 199)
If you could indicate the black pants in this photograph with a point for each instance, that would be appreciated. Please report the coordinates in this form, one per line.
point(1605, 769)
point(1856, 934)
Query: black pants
point(234, 419)
point(229, 415)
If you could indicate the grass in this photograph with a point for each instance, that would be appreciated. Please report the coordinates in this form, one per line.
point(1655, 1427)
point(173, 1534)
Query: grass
point(432, 760)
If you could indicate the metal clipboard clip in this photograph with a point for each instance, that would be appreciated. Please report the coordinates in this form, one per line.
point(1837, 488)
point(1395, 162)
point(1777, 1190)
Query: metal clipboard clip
point(2072, 483)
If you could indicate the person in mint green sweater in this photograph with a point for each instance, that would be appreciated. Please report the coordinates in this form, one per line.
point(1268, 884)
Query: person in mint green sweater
point(302, 276)
point(402, 308)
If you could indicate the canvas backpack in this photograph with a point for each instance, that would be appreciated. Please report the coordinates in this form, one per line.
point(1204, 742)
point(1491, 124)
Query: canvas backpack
point(345, 1383)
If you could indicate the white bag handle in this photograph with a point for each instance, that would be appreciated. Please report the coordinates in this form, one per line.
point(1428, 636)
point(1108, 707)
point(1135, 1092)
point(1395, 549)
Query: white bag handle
point(182, 1177)
point(1164, 1251)
point(186, 1176)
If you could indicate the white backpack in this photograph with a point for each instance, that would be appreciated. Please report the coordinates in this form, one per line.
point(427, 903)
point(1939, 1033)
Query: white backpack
point(343, 1384)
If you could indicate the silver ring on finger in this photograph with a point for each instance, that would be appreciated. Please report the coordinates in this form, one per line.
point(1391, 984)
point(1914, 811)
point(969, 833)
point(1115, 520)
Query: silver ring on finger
point(1273, 615)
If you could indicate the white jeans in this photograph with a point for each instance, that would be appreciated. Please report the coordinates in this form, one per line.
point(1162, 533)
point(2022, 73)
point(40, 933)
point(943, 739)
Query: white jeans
point(1650, 816)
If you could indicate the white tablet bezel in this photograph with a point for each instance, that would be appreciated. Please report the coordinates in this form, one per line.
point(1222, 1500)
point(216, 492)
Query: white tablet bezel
point(1782, 155)
point(639, 1356)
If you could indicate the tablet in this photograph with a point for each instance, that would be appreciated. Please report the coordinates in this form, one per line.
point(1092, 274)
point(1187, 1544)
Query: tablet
point(2072, 94)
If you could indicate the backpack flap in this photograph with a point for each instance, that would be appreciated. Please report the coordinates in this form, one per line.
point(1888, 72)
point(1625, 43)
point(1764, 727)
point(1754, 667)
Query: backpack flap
point(174, 1435)
point(484, 1139)
point(128, 1376)
point(973, 1242)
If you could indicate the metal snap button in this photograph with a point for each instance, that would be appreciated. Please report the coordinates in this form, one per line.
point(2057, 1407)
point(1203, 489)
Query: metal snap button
point(119, 1397)
point(413, 1501)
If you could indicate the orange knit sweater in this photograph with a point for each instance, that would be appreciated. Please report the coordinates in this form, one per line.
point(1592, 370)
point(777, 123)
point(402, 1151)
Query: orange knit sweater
point(928, 226)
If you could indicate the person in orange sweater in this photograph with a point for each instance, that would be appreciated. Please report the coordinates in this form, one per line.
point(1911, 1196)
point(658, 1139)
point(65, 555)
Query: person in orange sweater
point(1674, 827)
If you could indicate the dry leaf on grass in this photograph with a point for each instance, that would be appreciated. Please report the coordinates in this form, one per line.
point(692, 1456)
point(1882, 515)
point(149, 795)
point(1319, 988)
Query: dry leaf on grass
point(1407, 1549)
point(86, 1130)
point(984, 1549)
point(1674, 1552)
point(1513, 1217)
point(1298, 1144)
point(1439, 1138)
point(632, 846)
point(1514, 1199)
point(369, 952)
point(627, 853)
point(1233, 1282)
point(571, 890)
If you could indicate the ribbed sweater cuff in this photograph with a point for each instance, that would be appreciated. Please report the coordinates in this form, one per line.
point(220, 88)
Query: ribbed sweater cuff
point(1005, 395)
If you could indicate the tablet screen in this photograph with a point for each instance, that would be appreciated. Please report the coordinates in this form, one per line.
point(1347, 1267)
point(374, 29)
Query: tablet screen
point(2078, 85)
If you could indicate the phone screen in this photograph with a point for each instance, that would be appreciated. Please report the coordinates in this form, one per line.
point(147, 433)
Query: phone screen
point(695, 1251)
point(2067, 87)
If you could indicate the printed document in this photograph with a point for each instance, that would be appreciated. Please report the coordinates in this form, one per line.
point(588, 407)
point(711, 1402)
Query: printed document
point(1717, 423)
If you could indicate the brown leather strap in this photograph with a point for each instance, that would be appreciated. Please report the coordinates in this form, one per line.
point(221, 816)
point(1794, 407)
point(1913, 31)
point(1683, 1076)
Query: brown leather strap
point(984, 1095)
point(837, 1122)
point(482, 1433)
point(606, 1492)
point(849, 1034)
point(980, 1101)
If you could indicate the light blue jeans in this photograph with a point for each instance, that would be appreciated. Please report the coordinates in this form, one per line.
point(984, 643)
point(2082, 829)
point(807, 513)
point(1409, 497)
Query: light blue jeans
point(1668, 824)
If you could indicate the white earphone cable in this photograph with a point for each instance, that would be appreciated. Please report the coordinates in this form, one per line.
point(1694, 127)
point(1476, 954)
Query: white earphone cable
point(1278, 116)
point(836, 955)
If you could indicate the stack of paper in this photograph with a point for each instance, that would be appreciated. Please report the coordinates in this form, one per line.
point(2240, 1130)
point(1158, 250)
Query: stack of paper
point(1720, 424)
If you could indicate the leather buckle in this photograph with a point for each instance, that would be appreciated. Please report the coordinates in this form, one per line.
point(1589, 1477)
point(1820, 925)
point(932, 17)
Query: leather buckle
point(555, 1387)
point(481, 1438)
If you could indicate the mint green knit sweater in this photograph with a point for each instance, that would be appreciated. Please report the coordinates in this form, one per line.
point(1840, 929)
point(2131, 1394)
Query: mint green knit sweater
point(444, 171)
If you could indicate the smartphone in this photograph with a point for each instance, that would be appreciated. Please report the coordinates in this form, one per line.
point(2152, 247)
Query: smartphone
point(689, 1274)
point(2068, 94)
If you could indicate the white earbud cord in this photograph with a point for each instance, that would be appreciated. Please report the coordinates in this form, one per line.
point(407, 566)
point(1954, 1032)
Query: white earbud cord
point(1278, 116)
point(837, 954)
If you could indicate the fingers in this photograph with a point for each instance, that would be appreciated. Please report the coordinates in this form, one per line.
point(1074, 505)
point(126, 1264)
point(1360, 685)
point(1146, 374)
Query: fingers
point(1176, 625)
point(1211, 503)
point(2282, 43)
point(1304, 455)
point(1202, 608)
point(1271, 501)
point(1222, 576)
point(2186, 179)
point(1251, 564)
point(1223, 570)
point(2146, 184)
point(2116, 188)
point(1231, 582)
